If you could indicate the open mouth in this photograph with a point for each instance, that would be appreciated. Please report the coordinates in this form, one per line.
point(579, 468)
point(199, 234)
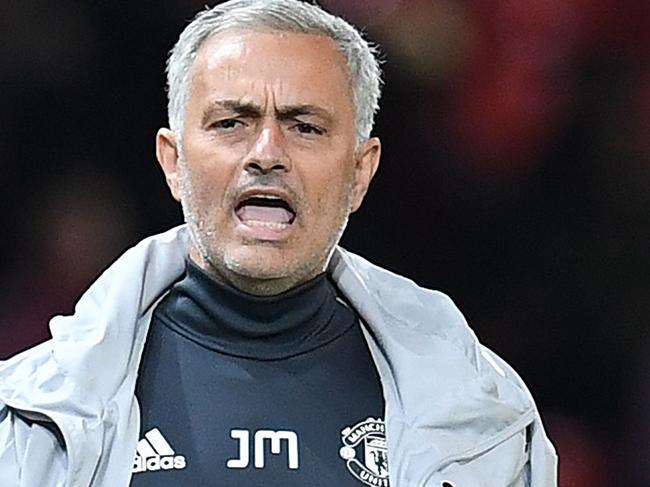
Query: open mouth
point(262, 210)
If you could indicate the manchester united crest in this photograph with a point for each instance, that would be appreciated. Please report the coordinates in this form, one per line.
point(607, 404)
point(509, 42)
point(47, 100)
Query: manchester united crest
point(365, 453)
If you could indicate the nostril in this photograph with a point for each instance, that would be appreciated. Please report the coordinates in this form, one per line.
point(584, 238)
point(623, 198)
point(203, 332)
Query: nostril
point(254, 167)
point(265, 166)
point(279, 167)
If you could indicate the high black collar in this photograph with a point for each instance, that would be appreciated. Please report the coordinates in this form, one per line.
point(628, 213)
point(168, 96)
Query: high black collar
point(230, 321)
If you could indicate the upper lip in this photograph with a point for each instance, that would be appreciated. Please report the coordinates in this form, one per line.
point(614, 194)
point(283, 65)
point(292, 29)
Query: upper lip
point(266, 193)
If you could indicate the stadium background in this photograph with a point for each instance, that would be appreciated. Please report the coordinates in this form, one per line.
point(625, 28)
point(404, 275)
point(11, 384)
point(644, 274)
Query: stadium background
point(515, 177)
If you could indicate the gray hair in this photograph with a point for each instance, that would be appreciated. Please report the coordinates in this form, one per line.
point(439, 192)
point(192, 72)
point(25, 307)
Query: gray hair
point(284, 16)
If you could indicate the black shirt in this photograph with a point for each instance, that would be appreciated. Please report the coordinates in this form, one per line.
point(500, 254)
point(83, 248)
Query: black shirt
point(240, 390)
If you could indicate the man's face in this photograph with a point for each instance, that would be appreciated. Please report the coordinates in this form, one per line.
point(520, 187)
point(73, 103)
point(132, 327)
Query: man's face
point(268, 172)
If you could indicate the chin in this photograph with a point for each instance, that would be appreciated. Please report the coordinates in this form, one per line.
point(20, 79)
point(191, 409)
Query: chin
point(261, 274)
point(258, 264)
point(257, 267)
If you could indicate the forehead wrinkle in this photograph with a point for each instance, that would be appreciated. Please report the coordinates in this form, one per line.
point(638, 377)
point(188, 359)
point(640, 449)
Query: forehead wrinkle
point(250, 109)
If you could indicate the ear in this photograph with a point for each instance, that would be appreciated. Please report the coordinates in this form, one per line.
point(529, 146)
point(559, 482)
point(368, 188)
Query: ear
point(367, 163)
point(167, 154)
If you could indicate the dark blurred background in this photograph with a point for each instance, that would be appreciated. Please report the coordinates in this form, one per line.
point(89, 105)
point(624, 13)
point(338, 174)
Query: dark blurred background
point(515, 177)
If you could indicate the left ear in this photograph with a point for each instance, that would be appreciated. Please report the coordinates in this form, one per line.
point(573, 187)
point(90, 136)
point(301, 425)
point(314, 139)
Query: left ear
point(367, 163)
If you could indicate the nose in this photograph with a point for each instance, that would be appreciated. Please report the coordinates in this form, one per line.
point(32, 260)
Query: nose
point(268, 153)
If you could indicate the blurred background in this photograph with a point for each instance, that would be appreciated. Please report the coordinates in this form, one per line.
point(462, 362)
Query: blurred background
point(515, 177)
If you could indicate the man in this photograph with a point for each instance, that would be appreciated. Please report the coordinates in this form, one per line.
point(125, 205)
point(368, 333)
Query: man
point(246, 348)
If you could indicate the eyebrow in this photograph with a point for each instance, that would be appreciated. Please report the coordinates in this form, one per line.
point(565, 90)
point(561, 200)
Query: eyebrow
point(250, 110)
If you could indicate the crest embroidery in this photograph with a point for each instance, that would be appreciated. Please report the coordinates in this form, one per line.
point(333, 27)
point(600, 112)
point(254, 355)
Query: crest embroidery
point(365, 453)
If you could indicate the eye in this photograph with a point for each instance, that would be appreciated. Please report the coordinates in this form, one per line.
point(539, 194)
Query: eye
point(227, 124)
point(308, 129)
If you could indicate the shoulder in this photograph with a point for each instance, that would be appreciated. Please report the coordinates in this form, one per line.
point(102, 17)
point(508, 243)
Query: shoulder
point(438, 373)
point(422, 329)
point(105, 325)
point(422, 311)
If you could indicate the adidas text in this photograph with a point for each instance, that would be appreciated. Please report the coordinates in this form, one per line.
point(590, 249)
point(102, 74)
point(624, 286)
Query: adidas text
point(158, 463)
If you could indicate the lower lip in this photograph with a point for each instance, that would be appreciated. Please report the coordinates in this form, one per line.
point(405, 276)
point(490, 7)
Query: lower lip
point(264, 231)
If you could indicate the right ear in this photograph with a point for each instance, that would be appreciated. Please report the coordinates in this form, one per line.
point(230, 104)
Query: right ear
point(167, 154)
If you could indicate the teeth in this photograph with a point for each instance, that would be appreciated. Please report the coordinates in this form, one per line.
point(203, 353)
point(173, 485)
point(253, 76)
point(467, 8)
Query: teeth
point(272, 225)
point(266, 196)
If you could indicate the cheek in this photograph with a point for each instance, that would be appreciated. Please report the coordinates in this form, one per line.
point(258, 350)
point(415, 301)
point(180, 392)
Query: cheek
point(333, 195)
point(206, 191)
point(213, 168)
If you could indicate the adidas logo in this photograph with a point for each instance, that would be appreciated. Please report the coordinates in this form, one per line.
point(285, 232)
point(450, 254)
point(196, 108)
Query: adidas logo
point(154, 453)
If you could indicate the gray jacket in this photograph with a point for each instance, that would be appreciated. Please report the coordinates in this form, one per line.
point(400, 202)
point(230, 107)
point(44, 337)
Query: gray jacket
point(455, 412)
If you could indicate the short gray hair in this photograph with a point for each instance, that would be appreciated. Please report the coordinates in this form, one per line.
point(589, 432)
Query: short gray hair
point(284, 16)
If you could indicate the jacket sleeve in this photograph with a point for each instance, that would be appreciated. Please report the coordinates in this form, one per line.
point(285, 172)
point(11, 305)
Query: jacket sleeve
point(23, 440)
point(9, 469)
point(541, 467)
point(543, 459)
